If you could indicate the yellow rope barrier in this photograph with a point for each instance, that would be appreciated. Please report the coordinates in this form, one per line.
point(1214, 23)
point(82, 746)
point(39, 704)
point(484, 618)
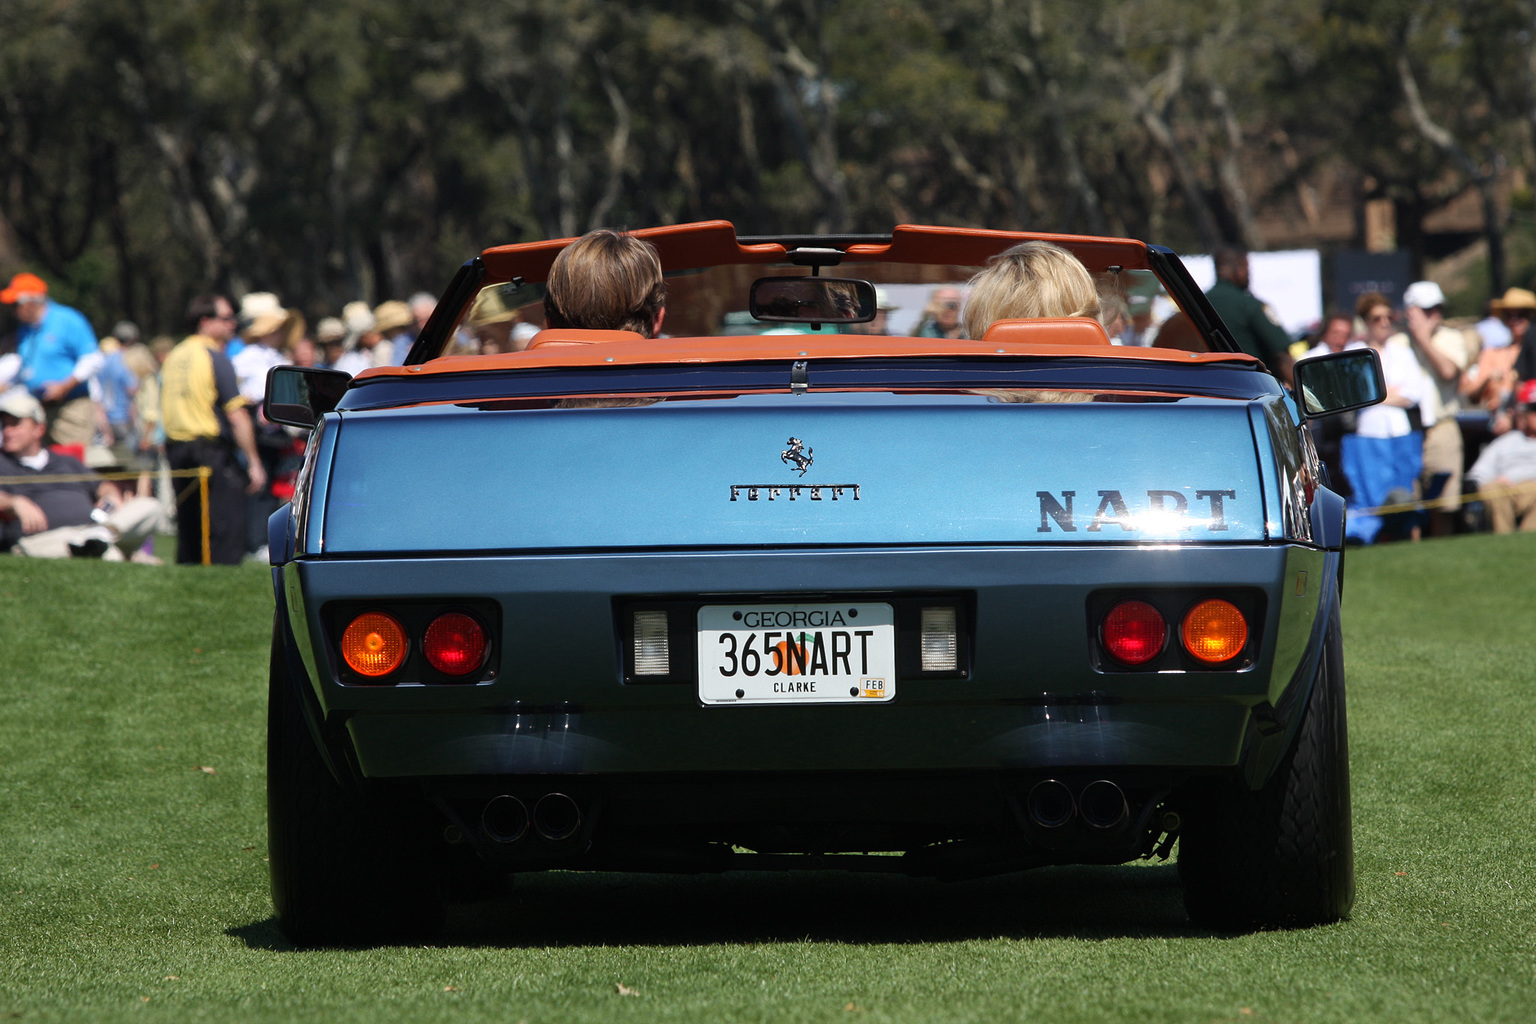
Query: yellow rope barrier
point(1414, 506)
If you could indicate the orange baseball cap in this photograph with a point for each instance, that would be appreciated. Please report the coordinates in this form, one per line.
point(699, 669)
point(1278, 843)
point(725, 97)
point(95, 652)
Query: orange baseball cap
point(23, 284)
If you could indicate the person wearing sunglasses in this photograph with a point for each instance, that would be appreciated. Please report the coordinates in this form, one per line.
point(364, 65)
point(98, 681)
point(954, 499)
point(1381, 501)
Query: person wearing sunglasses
point(208, 423)
point(1385, 454)
point(941, 317)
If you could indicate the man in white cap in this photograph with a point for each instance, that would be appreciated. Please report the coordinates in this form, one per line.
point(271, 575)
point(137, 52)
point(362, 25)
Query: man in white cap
point(52, 506)
point(1443, 355)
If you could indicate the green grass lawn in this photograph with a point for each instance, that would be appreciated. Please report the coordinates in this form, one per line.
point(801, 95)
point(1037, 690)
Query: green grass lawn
point(133, 877)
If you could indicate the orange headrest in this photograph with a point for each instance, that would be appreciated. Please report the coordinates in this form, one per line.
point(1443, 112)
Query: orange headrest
point(1067, 330)
point(572, 336)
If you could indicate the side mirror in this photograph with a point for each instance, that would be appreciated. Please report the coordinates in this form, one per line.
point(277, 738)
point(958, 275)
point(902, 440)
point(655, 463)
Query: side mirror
point(299, 395)
point(816, 300)
point(1339, 381)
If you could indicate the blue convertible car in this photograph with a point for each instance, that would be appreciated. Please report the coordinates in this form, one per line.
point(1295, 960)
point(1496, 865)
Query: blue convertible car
point(808, 600)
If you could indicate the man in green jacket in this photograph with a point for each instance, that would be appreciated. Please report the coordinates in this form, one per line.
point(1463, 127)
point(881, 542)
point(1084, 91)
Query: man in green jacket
point(1249, 323)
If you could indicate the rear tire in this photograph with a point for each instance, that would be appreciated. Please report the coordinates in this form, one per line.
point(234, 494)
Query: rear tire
point(1281, 857)
point(344, 869)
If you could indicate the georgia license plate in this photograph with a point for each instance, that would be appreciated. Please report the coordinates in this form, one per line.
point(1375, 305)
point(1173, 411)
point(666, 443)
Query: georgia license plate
point(821, 653)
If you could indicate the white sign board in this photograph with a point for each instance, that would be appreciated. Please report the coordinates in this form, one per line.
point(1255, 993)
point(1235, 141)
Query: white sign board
point(1289, 282)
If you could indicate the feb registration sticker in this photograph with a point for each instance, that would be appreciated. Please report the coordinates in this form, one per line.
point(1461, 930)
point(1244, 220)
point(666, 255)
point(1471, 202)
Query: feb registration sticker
point(822, 653)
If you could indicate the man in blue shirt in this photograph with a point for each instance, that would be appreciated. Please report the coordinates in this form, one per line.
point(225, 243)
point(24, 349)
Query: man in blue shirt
point(59, 355)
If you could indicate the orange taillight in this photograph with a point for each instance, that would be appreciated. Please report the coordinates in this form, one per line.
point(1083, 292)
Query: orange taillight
point(1214, 631)
point(374, 644)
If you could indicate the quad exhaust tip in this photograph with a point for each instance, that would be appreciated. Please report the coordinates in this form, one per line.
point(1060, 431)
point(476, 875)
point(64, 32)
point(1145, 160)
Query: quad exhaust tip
point(504, 820)
point(1102, 804)
point(1050, 804)
point(556, 817)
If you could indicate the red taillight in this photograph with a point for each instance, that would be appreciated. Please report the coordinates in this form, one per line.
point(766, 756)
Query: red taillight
point(374, 644)
point(1214, 631)
point(1134, 632)
point(454, 644)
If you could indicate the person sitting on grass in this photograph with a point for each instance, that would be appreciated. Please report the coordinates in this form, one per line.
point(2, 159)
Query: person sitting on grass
point(47, 500)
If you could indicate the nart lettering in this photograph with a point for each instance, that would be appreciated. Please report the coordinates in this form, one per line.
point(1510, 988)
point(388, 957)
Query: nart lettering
point(1164, 511)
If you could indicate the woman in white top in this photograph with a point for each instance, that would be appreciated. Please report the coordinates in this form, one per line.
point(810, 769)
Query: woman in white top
point(1385, 455)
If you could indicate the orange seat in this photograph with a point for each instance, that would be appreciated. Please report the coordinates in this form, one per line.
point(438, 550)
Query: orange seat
point(1070, 330)
point(571, 336)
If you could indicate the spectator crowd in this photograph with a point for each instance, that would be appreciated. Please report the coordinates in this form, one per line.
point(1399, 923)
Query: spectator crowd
point(108, 441)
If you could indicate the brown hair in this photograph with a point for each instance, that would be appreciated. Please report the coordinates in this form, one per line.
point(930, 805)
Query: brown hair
point(1032, 279)
point(606, 280)
point(1368, 302)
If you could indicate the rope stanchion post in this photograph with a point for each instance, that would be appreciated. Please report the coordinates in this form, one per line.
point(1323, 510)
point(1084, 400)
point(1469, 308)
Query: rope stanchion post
point(203, 473)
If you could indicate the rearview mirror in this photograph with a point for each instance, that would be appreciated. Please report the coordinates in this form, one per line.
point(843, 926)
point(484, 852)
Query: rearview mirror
point(1339, 381)
point(299, 395)
point(823, 300)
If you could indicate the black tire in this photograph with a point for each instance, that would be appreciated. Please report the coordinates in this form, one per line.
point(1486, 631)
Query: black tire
point(1281, 857)
point(345, 871)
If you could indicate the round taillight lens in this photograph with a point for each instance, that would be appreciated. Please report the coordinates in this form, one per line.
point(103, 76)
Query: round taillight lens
point(374, 644)
point(1214, 631)
point(454, 644)
point(1134, 632)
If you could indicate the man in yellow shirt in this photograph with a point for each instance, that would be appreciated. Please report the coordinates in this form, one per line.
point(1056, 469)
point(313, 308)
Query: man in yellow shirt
point(208, 423)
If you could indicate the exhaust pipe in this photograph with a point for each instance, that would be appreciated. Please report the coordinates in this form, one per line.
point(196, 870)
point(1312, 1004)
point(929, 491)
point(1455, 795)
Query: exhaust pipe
point(1102, 804)
point(1050, 804)
point(556, 817)
point(504, 820)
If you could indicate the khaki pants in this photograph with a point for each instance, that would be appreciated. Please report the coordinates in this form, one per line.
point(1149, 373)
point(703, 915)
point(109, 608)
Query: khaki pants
point(1442, 454)
point(125, 530)
point(72, 422)
point(1510, 503)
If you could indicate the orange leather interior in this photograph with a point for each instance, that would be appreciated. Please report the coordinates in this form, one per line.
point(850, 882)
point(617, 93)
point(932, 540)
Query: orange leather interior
point(1056, 338)
point(571, 336)
point(1075, 330)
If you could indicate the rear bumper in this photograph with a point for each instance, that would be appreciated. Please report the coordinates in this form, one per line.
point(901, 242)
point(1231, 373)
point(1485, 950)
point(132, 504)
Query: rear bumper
point(925, 738)
point(1034, 700)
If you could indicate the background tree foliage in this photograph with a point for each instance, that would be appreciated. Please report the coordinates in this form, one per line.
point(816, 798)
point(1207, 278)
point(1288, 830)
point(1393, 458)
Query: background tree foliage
point(361, 148)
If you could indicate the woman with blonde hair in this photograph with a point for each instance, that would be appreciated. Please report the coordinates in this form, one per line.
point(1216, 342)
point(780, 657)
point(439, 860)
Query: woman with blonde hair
point(1029, 280)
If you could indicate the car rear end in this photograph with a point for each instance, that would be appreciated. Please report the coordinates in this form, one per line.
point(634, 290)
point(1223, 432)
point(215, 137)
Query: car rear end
point(980, 627)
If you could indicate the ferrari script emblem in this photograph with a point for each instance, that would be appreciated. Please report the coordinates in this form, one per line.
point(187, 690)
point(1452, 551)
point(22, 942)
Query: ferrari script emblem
point(798, 454)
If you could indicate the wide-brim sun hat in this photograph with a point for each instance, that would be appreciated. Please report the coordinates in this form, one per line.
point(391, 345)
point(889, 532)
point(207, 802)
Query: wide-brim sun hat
point(1515, 298)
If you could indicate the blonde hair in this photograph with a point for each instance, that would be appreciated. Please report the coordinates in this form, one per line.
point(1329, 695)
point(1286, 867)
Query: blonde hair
point(606, 280)
point(1032, 279)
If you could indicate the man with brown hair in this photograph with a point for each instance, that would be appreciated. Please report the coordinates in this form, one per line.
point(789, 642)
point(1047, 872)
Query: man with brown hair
point(606, 280)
